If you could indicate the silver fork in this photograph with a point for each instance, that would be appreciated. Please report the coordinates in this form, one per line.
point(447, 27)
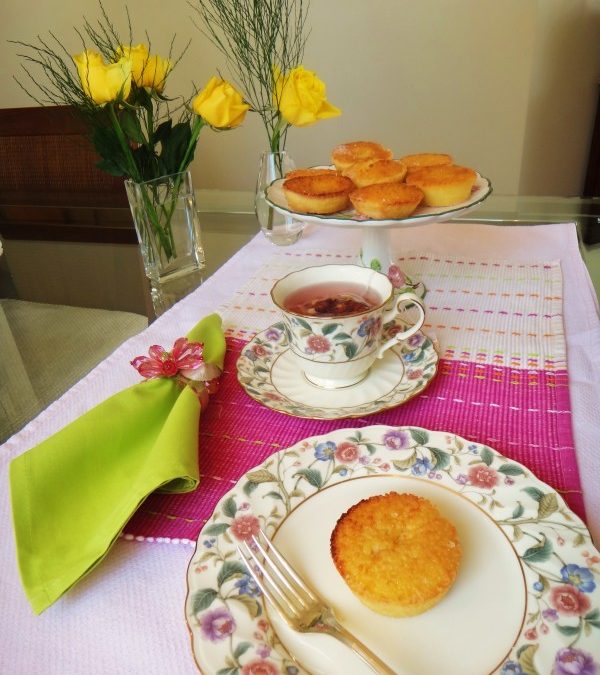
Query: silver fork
point(298, 605)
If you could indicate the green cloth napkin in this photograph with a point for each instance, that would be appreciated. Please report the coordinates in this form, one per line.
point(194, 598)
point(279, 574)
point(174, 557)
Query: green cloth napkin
point(73, 493)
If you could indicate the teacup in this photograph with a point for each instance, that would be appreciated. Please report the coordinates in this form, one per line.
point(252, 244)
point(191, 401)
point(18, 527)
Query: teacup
point(337, 350)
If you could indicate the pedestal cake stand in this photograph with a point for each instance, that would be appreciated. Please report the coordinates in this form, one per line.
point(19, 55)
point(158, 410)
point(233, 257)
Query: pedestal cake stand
point(376, 251)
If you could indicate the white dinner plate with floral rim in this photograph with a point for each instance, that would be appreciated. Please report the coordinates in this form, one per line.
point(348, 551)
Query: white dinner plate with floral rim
point(526, 599)
point(424, 214)
point(269, 374)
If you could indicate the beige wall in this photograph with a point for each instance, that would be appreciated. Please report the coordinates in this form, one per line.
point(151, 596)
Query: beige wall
point(508, 86)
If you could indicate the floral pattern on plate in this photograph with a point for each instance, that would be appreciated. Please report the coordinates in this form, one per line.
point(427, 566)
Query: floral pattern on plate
point(561, 630)
point(418, 355)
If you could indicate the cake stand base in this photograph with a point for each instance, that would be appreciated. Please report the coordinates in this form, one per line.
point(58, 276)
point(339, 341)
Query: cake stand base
point(376, 253)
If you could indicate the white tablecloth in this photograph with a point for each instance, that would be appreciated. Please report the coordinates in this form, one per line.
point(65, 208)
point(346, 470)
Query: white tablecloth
point(127, 616)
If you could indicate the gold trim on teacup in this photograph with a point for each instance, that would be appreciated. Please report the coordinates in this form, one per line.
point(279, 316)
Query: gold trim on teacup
point(332, 316)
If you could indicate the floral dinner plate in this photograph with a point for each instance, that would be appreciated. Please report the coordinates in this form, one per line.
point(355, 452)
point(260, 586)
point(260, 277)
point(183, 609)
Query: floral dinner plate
point(270, 375)
point(526, 600)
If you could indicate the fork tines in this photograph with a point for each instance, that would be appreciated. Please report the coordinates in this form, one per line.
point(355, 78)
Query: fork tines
point(277, 580)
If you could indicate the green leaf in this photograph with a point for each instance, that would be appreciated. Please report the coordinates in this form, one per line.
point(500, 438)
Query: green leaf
point(441, 458)
point(525, 656)
point(229, 508)
point(350, 349)
point(274, 495)
point(548, 505)
point(215, 530)
point(594, 622)
point(591, 616)
point(517, 533)
point(487, 456)
point(511, 470)
point(518, 510)
point(329, 328)
point(241, 649)
point(203, 599)
point(568, 630)
point(229, 569)
point(162, 131)
point(403, 464)
point(312, 476)
point(174, 145)
point(342, 336)
point(250, 487)
point(251, 605)
point(111, 167)
point(420, 436)
point(375, 265)
point(534, 493)
point(371, 449)
point(538, 553)
point(227, 671)
point(261, 476)
point(130, 124)
point(302, 322)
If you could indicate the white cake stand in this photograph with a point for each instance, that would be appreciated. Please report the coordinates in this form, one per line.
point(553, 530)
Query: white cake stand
point(376, 251)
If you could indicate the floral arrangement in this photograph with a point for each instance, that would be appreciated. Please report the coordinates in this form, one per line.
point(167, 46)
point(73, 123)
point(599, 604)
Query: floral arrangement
point(263, 43)
point(119, 90)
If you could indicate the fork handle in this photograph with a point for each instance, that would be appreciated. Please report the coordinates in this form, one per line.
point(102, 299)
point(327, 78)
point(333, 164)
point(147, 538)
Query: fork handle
point(337, 631)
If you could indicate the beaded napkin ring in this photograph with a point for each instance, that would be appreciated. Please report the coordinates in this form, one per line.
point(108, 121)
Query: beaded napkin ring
point(185, 363)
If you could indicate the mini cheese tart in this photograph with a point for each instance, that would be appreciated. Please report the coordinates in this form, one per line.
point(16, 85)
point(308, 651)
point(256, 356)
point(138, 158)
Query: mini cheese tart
point(443, 185)
point(345, 155)
point(313, 171)
point(371, 172)
point(320, 194)
point(386, 200)
point(397, 553)
point(426, 159)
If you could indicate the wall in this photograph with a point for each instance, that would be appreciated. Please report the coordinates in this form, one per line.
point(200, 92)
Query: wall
point(507, 87)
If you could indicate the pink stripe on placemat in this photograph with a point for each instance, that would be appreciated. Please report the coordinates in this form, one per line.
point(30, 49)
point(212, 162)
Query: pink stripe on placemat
point(525, 415)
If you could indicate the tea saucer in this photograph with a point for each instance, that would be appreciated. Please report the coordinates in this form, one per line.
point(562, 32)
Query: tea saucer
point(269, 374)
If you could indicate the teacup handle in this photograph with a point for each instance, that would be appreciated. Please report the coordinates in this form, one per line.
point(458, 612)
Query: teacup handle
point(402, 300)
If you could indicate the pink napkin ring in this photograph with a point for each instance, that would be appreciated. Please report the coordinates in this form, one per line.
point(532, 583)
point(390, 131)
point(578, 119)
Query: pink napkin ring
point(185, 363)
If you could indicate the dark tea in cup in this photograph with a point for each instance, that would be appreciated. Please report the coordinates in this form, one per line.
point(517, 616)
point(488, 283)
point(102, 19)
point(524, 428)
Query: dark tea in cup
point(333, 299)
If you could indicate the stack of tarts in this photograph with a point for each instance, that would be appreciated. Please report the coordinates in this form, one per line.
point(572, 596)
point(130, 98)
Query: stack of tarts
point(367, 178)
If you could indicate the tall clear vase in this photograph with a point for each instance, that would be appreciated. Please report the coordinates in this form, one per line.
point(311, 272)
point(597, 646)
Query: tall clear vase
point(168, 230)
point(277, 228)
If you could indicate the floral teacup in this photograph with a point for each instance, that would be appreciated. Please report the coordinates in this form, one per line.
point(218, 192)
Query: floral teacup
point(338, 351)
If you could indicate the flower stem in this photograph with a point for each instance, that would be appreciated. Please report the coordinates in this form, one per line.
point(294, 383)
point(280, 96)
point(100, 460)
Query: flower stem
point(196, 128)
point(133, 172)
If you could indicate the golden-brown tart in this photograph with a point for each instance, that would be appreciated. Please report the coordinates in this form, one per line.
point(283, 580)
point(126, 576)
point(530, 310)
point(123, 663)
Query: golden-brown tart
point(426, 159)
point(345, 155)
point(397, 553)
point(313, 171)
point(320, 194)
point(443, 185)
point(386, 200)
point(371, 172)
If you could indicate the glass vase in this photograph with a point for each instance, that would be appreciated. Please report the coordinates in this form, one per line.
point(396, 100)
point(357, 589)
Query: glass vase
point(279, 229)
point(168, 230)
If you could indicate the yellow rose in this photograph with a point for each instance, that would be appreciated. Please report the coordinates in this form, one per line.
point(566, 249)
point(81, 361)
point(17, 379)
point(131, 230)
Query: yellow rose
point(101, 82)
point(220, 104)
point(301, 98)
point(146, 71)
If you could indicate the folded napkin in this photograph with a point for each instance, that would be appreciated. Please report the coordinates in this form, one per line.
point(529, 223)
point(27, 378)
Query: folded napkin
point(73, 494)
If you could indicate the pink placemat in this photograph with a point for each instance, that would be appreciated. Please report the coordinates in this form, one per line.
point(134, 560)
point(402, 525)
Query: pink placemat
point(524, 414)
